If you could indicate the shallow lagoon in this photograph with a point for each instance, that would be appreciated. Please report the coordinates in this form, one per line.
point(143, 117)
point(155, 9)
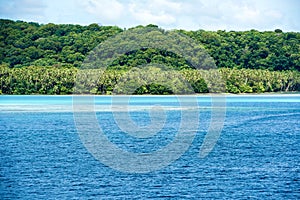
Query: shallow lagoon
point(257, 154)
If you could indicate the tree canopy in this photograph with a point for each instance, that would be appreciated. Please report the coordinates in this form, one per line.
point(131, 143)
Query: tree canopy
point(46, 58)
point(33, 44)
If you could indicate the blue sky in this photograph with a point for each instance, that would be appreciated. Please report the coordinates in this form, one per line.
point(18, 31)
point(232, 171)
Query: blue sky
point(169, 14)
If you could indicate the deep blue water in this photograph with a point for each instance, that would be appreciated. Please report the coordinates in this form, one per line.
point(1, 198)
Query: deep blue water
point(257, 155)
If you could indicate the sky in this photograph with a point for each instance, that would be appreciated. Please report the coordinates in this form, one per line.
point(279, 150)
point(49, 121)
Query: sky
point(213, 15)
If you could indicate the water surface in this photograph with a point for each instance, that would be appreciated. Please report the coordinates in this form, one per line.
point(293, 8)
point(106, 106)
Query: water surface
point(256, 156)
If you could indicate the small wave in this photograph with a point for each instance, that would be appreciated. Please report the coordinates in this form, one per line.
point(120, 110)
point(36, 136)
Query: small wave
point(96, 108)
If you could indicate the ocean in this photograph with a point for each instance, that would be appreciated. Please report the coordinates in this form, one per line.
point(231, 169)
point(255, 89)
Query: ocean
point(254, 147)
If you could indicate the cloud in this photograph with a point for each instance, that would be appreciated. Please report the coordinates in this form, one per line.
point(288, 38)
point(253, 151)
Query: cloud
point(168, 14)
point(231, 15)
point(247, 15)
point(252, 15)
point(105, 10)
point(154, 11)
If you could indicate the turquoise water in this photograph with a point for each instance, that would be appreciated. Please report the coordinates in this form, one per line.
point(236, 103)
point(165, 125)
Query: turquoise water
point(257, 155)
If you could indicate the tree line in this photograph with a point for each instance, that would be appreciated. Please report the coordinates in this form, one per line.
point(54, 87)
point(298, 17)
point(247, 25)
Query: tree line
point(50, 80)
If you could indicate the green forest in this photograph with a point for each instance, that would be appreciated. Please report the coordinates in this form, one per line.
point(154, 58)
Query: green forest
point(46, 59)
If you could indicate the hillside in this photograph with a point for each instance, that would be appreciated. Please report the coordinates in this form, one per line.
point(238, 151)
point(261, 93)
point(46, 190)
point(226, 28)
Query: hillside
point(27, 44)
point(44, 59)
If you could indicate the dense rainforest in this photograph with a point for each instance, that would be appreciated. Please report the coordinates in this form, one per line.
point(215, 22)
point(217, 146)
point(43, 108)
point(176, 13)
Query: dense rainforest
point(45, 59)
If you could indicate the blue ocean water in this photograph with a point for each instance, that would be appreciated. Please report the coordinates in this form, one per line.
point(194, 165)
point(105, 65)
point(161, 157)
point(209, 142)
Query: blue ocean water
point(257, 155)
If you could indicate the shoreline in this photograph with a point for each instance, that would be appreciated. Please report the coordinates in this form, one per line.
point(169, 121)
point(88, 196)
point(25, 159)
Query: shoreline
point(157, 95)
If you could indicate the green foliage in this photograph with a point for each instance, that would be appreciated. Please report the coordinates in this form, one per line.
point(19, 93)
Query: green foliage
point(153, 89)
point(258, 81)
point(141, 57)
point(200, 86)
point(251, 49)
point(31, 44)
point(61, 80)
point(37, 80)
point(46, 59)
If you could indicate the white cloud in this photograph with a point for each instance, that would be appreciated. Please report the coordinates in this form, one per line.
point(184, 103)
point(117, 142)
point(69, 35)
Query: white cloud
point(106, 10)
point(165, 5)
point(191, 15)
point(247, 15)
point(168, 14)
point(154, 11)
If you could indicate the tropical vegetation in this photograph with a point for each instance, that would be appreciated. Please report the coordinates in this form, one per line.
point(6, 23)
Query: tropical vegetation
point(47, 59)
